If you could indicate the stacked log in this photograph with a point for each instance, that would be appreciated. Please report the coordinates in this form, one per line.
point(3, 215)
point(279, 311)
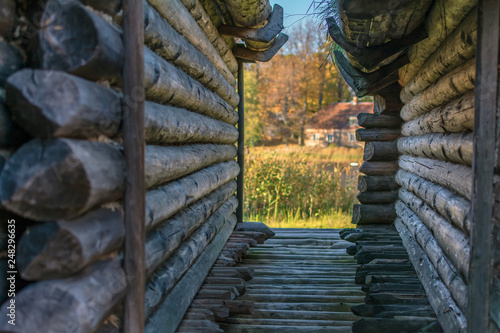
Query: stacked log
point(62, 163)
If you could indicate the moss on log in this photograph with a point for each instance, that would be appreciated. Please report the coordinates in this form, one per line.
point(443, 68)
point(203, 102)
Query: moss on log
point(450, 147)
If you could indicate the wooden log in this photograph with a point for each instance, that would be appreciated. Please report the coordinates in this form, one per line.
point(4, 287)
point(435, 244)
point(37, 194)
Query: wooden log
point(10, 60)
point(447, 311)
point(205, 23)
point(458, 47)
point(255, 226)
point(453, 207)
point(366, 310)
point(180, 297)
point(381, 151)
point(219, 309)
point(38, 260)
point(163, 39)
point(7, 17)
point(453, 242)
point(370, 120)
point(11, 135)
point(379, 168)
point(376, 198)
point(110, 7)
point(56, 305)
point(190, 325)
point(163, 280)
point(100, 56)
point(80, 175)
point(442, 264)
point(455, 117)
point(451, 147)
point(249, 13)
point(389, 325)
point(442, 18)
point(261, 56)
point(376, 183)
point(174, 12)
point(377, 134)
point(446, 89)
point(373, 214)
point(88, 110)
point(454, 177)
point(383, 106)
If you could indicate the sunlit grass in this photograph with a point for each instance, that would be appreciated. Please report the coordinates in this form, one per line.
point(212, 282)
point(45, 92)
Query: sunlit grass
point(328, 220)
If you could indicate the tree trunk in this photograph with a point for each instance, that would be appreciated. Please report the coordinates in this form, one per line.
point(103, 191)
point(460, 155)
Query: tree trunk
point(378, 168)
point(449, 314)
point(375, 198)
point(446, 89)
point(429, 244)
point(454, 243)
point(100, 56)
point(87, 110)
point(450, 147)
point(454, 177)
point(373, 214)
point(381, 151)
point(181, 20)
point(456, 117)
point(370, 120)
point(376, 183)
point(377, 134)
point(458, 47)
point(455, 208)
point(63, 178)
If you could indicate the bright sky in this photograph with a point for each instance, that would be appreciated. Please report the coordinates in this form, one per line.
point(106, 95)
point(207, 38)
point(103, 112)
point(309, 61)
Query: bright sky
point(294, 10)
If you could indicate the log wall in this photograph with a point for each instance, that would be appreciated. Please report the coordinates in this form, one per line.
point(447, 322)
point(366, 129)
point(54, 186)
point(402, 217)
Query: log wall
point(62, 169)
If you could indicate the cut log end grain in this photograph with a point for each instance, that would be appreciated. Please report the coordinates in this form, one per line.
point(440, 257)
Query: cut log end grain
point(381, 151)
point(369, 120)
point(373, 214)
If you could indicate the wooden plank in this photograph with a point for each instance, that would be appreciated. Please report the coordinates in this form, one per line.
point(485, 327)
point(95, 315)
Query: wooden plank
point(485, 137)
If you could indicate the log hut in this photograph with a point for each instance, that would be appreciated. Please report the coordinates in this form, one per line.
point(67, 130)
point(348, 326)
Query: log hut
point(431, 147)
point(117, 148)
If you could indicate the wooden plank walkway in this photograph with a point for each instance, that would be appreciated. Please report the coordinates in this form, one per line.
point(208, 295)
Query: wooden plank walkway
point(303, 282)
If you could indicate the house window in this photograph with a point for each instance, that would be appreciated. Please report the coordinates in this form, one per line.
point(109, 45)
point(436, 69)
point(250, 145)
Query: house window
point(353, 121)
point(352, 137)
point(329, 137)
point(315, 137)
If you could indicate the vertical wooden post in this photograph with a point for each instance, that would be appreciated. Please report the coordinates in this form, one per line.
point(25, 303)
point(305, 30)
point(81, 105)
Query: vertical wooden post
point(478, 314)
point(241, 141)
point(133, 143)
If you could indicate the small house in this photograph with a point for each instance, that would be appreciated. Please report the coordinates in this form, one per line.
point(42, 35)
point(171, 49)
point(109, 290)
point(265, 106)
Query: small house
point(336, 124)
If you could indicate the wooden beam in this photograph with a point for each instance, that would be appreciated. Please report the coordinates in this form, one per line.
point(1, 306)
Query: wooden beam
point(485, 148)
point(241, 141)
point(262, 56)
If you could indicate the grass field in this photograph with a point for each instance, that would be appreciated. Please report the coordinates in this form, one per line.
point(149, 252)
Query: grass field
point(301, 187)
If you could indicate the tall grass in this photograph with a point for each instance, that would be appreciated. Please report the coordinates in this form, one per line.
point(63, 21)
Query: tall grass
point(300, 187)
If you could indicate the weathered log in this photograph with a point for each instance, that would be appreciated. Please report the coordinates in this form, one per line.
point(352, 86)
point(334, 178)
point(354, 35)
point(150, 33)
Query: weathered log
point(261, 56)
point(447, 311)
point(170, 312)
point(386, 105)
point(100, 56)
point(255, 226)
point(164, 279)
point(452, 147)
point(455, 208)
point(455, 177)
point(378, 168)
point(373, 214)
point(63, 178)
point(110, 7)
point(370, 120)
point(458, 47)
point(86, 109)
point(190, 325)
point(376, 183)
point(392, 325)
point(374, 198)
point(443, 17)
point(365, 310)
point(79, 304)
point(7, 17)
point(181, 20)
point(10, 61)
point(11, 136)
point(377, 134)
point(446, 89)
point(429, 244)
point(455, 117)
point(43, 250)
point(205, 23)
point(453, 242)
point(381, 151)
point(168, 43)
